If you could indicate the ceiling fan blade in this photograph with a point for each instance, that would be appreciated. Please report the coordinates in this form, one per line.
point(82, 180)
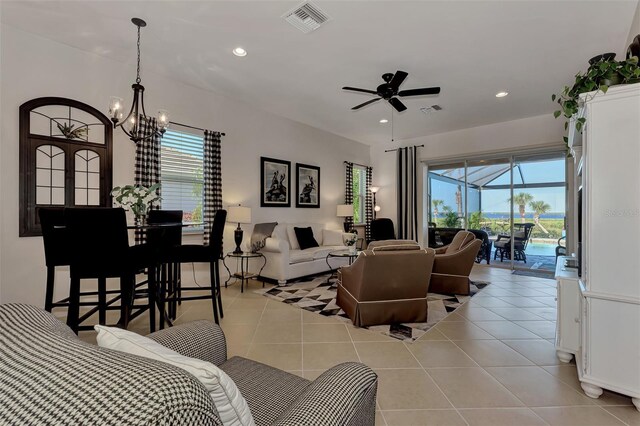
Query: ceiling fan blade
point(397, 79)
point(366, 103)
point(397, 104)
point(355, 89)
point(418, 92)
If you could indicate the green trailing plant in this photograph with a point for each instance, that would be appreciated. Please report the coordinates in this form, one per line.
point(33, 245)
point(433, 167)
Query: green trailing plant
point(602, 73)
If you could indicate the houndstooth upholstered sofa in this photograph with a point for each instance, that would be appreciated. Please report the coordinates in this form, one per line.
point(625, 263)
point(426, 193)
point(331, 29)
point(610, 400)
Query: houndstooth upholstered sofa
point(49, 376)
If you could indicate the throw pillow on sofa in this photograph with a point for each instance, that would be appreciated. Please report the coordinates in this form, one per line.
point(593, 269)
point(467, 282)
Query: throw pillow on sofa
point(261, 231)
point(332, 238)
point(231, 405)
point(305, 238)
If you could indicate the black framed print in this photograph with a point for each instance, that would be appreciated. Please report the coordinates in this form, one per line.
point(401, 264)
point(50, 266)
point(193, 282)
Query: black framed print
point(275, 182)
point(307, 186)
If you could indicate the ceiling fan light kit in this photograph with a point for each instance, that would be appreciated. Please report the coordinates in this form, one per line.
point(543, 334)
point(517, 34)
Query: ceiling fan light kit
point(389, 91)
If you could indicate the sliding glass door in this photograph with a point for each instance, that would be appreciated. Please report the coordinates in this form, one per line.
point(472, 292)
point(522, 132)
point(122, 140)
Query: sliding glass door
point(518, 201)
point(447, 200)
point(539, 208)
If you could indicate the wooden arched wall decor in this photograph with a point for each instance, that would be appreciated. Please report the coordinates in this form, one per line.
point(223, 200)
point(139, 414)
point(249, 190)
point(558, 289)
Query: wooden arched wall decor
point(66, 158)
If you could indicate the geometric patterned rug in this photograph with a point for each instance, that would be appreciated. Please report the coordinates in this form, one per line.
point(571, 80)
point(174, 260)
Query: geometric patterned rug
point(319, 296)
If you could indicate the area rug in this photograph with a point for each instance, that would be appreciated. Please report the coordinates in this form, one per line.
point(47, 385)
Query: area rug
point(318, 295)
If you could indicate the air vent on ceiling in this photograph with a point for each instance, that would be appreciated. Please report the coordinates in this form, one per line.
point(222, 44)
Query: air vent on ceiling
point(306, 17)
point(431, 108)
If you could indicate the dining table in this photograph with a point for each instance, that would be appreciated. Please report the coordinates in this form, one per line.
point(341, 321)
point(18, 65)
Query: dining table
point(145, 227)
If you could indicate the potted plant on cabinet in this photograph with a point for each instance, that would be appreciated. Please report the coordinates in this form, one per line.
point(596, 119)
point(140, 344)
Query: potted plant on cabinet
point(603, 72)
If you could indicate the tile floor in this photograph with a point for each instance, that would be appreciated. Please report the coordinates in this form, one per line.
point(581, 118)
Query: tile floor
point(491, 362)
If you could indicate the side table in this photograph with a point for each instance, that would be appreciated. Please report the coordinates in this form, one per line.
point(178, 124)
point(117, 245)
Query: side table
point(346, 253)
point(244, 275)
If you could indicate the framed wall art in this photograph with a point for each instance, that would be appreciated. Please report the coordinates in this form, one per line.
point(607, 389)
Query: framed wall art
point(275, 182)
point(307, 186)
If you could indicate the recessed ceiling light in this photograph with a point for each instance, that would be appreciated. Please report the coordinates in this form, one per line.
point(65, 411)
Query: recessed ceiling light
point(501, 94)
point(239, 51)
point(384, 120)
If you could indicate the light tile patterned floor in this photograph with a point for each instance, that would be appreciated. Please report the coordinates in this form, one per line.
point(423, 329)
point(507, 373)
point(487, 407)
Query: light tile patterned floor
point(492, 362)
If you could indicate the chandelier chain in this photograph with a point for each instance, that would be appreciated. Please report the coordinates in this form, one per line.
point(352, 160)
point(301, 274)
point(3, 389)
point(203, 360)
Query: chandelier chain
point(138, 80)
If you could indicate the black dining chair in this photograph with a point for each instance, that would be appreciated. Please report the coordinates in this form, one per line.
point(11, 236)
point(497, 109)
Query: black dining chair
point(99, 248)
point(56, 251)
point(190, 253)
point(161, 240)
point(382, 229)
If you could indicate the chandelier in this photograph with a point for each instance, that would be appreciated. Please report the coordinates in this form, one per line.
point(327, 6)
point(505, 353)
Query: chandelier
point(131, 123)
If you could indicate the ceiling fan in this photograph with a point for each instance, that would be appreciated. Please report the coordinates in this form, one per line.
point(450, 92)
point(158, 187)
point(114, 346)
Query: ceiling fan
point(389, 90)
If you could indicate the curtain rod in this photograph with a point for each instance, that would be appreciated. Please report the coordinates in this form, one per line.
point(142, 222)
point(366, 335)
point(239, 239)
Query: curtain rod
point(393, 150)
point(193, 127)
point(357, 164)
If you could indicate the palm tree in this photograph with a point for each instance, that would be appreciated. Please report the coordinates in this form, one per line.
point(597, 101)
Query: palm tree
point(436, 205)
point(539, 208)
point(522, 199)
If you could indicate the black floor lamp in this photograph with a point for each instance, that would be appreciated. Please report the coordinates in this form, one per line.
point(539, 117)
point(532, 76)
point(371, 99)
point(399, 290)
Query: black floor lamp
point(376, 208)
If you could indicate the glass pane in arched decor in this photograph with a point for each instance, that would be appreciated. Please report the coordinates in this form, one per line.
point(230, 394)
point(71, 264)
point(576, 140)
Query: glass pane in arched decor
point(50, 161)
point(87, 178)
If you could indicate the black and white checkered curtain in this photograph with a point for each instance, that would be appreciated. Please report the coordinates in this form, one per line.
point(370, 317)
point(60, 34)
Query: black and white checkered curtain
point(348, 191)
point(212, 175)
point(147, 167)
point(407, 193)
point(368, 205)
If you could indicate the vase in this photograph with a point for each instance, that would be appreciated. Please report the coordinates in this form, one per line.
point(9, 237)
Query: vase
point(352, 249)
point(141, 220)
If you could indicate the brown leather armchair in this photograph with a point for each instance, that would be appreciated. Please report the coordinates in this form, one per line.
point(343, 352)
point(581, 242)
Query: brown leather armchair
point(453, 264)
point(387, 283)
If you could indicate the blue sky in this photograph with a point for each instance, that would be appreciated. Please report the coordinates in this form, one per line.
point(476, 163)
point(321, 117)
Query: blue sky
point(498, 200)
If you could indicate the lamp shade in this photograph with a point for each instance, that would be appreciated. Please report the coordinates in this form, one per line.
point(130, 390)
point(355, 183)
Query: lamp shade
point(239, 214)
point(344, 210)
point(374, 189)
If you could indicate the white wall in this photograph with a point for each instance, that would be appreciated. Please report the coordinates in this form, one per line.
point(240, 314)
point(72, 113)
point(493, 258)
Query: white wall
point(514, 135)
point(635, 27)
point(34, 67)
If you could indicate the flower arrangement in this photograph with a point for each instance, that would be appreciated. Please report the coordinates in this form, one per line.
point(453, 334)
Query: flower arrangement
point(137, 198)
point(350, 239)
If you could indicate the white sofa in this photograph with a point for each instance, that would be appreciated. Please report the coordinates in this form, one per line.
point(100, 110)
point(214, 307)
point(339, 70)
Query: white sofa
point(285, 260)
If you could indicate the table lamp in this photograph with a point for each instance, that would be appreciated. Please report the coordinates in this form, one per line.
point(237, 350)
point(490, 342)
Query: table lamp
point(239, 214)
point(345, 210)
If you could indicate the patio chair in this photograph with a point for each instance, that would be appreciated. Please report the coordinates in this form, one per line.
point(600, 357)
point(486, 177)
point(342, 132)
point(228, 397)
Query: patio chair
point(439, 237)
point(521, 236)
point(561, 250)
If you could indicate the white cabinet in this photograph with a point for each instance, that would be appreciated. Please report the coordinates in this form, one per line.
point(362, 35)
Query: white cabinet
point(568, 321)
point(599, 312)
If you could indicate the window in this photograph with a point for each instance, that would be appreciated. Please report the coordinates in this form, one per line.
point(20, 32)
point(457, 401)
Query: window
point(50, 168)
point(87, 165)
point(65, 158)
point(359, 194)
point(181, 166)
